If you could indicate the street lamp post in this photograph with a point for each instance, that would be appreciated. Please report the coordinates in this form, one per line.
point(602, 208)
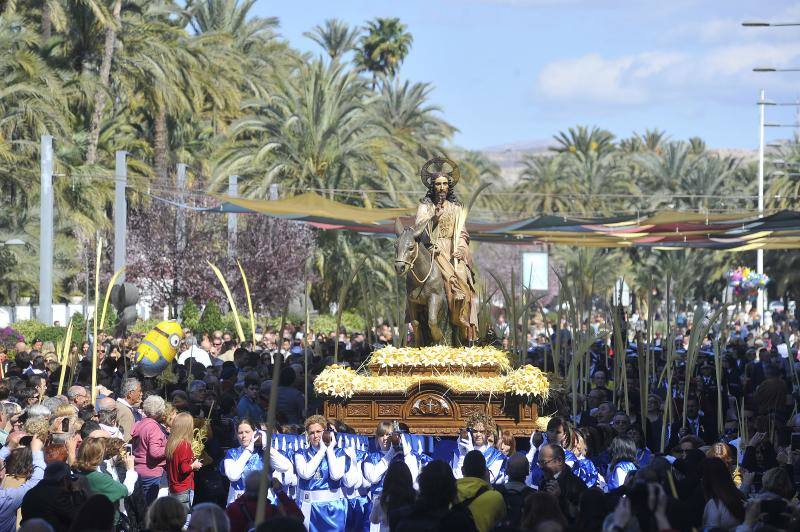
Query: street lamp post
point(760, 252)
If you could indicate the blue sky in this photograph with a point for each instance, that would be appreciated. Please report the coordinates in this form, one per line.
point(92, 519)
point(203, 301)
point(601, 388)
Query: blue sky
point(508, 71)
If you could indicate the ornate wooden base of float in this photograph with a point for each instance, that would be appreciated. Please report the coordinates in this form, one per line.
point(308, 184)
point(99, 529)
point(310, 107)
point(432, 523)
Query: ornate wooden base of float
point(432, 410)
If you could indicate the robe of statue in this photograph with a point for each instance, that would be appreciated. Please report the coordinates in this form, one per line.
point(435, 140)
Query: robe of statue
point(448, 234)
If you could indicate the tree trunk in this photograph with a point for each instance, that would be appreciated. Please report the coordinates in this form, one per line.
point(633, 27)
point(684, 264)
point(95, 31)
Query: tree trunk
point(47, 23)
point(160, 141)
point(105, 75)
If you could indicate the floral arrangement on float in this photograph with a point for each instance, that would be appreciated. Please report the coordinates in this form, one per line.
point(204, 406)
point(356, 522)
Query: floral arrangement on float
point(452, 368)
point(745, 281)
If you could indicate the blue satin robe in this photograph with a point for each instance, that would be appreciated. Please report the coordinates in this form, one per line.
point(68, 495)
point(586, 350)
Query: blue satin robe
point(255, 463)
point(327, 516)
point(617, 475)
point(358, 503)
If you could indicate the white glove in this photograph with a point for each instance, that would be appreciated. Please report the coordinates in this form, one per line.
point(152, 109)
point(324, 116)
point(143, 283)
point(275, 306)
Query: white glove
point(331, 446)
point(350, 452)
point(404, 441)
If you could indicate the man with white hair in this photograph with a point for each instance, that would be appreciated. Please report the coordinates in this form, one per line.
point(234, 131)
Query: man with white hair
point(107, 417)
point(78, 397)
point(130, 397)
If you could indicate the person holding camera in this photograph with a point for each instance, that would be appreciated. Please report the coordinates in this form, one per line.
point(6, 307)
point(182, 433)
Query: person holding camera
point(392, 447)
point(475, 437)
point(559, 480)
point(239, 461)
point(11, 497)
point(320, 468)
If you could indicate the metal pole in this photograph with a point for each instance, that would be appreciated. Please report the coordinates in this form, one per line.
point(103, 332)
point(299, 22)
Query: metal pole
point(46, 233)
point(233, 191)
point(120, 213)
point(180, 218)
point(760, 251)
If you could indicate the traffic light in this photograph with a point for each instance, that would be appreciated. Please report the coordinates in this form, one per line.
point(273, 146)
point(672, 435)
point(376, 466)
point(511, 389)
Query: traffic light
point(124, 297)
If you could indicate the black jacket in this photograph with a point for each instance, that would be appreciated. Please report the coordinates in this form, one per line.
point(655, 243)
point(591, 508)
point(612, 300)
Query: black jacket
point(55, 502)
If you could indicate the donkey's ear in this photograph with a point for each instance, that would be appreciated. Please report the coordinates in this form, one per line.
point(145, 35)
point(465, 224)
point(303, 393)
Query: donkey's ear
point(398, 227)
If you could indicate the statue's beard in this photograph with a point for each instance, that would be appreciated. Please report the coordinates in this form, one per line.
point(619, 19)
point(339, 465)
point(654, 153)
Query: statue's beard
point(441, 196)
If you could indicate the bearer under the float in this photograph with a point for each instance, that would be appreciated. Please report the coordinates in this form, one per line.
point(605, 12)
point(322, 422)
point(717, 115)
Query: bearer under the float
point(320, 468)
point(475, 438)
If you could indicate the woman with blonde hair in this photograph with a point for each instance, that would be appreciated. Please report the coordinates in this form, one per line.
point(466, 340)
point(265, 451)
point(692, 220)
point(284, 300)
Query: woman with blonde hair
point(181, 462)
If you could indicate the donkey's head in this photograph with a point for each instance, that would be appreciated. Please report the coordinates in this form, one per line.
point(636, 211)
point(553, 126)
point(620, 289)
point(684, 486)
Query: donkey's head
point(405, 248)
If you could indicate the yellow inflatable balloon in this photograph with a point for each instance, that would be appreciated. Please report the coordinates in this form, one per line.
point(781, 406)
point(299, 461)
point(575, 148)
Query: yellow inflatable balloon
point(158, 348)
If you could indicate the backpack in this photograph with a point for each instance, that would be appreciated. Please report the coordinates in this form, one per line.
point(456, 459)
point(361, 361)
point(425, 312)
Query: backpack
point(514, 502)
point(461, 510)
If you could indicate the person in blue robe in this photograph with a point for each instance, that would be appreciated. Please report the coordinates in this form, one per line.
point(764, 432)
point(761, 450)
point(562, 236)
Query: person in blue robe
point(320, 468)
point(240, 461)
point(623, 462)
point(475, 437)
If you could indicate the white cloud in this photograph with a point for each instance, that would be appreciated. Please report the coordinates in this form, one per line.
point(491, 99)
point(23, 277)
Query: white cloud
point(594, 79)
point(658, 75)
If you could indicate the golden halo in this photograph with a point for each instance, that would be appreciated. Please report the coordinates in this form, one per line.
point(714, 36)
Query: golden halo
point(426, 174)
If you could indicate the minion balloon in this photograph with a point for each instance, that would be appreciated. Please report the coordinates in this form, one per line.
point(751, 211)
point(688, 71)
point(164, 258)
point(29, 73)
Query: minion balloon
point(158, 348)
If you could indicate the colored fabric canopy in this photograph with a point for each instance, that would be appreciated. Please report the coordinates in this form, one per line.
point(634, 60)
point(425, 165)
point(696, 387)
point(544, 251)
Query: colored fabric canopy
point(660, 230)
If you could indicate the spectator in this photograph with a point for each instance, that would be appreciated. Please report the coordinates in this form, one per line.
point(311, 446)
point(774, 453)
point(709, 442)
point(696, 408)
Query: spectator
point(559, 480)
point(181, 462)
point(56, 498)
point(541, 508)
point(515, 491)
point(242, 511)
point(128, 406)
point(78, 397)
point(90, 454)
point(208, 517)
point(19, 468)
point(432, 509)
point(248, 407)
point(485, 504)
point(11, 498)
point(166, 514)
point(398, 492)
point(724, 503)
point(150, 446)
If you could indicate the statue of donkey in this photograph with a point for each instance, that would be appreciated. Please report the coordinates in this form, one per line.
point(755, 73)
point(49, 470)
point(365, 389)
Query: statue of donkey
point(425, 294)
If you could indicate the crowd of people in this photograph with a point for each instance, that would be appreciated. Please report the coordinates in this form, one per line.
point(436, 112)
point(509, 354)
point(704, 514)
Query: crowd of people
point(185, 450)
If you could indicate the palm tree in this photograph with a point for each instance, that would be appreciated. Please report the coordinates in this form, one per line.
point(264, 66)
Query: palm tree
point(543, 177)
point(335, 37)
point(313, 133)
point(384, 47)
point(582, 140)
point(404, 111)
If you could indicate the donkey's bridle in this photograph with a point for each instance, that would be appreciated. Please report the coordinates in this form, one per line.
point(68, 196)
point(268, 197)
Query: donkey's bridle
point(414, 259)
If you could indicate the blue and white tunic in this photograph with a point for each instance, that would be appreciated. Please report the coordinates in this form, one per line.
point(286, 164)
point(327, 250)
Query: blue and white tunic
point(322, 500)
point(618, 474)
point(495, 461)
point(241, 461)
point(356, 491)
